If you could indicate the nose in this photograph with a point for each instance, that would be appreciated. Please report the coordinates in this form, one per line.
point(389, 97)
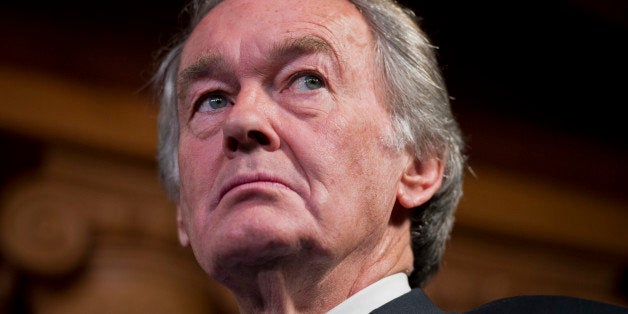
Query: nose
point(249, 124)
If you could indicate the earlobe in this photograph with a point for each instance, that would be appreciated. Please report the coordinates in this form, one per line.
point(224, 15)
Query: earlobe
point(420, 181)
point(183, 235)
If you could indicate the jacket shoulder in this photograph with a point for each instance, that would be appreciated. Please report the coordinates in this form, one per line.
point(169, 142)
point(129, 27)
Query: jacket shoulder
point(414, 301)
point(548, 304)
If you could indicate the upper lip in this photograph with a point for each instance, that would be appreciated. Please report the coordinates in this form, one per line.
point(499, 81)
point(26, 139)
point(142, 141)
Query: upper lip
point(238, 180)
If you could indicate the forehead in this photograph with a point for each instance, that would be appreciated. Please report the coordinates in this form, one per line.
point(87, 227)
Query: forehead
point(235, 25)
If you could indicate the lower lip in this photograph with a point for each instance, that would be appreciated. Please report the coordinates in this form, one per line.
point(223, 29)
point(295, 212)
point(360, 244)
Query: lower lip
point(256, 187)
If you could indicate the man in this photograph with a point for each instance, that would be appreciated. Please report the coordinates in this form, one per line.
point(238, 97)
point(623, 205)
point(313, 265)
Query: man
point(311, 152)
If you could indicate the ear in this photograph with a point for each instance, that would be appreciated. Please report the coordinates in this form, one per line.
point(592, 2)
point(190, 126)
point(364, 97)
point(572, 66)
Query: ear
point(419, 182)
point(183, 235)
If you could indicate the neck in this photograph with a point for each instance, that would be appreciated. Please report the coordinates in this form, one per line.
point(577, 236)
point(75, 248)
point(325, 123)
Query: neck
point(306, 287)
point(278, 292)
point(289, 288)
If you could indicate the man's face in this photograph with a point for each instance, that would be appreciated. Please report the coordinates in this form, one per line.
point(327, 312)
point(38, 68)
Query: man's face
point(285, 148)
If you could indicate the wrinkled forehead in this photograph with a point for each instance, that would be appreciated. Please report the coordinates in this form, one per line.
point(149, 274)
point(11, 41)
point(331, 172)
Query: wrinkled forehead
point(233, 24)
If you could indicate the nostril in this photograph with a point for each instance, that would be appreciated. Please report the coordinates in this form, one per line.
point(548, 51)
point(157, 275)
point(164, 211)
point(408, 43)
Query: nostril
point(249, 143)
point(259, 137)
point(232, 144)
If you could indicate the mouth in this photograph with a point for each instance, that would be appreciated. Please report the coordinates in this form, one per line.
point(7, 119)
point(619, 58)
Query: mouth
point(253, 179)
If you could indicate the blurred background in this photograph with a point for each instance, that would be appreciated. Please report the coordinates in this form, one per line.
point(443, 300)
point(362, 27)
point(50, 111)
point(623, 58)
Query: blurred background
point(538, 88)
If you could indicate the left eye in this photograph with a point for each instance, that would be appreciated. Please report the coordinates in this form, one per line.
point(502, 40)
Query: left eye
point(308, 82)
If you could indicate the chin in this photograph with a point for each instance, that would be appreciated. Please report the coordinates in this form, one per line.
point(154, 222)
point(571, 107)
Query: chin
point(255, 243)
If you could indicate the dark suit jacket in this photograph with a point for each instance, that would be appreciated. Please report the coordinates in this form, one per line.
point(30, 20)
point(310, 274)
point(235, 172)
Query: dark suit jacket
point(416, 301)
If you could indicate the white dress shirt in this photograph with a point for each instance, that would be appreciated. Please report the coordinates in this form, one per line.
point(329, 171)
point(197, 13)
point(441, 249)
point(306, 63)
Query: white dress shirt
point(374, 296)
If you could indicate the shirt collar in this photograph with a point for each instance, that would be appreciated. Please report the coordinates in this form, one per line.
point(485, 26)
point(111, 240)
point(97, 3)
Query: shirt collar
point(374, 296)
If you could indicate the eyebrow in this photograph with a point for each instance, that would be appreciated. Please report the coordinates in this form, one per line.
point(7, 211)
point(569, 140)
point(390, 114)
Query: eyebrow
point(294, 47)
point(207, 65)
point(212, 64)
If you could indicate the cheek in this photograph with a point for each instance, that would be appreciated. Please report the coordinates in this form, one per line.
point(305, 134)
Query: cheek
point(198, 164)
point(369, 158)
point(359, 141)
point(352, 148)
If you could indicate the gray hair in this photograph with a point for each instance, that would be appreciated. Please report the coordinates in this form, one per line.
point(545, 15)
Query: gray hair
point(419, 108)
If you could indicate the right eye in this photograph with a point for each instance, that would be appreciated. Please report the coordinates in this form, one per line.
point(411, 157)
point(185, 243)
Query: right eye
point(211, 102)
